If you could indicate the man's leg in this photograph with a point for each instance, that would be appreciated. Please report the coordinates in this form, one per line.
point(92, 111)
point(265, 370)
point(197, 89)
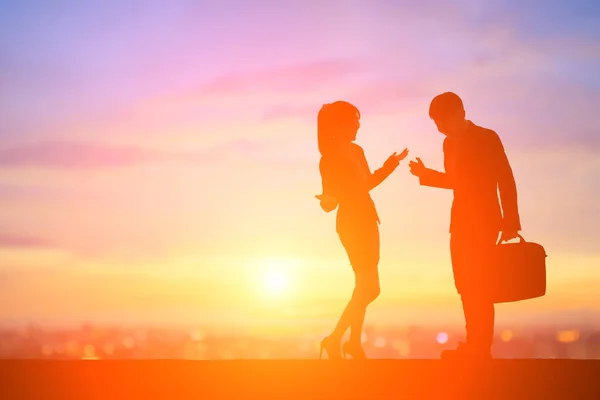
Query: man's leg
point(479, 319)
point(469, 252)
point(482, 308)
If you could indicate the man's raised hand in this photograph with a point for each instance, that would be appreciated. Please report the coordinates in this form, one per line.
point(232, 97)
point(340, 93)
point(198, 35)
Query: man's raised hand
point(417, 168)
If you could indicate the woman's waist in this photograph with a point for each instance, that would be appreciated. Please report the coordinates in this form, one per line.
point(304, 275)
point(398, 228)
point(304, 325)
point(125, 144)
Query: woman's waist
point(354, 198)
point(356, 205)
point(357, 211)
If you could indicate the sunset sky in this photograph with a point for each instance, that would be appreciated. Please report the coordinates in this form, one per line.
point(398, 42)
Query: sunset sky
point(158, 159)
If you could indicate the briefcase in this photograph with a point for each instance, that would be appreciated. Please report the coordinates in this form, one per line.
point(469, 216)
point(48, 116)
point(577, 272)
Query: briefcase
point(518, 271)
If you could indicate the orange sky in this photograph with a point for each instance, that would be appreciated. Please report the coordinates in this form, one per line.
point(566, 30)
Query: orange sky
point(169, 174)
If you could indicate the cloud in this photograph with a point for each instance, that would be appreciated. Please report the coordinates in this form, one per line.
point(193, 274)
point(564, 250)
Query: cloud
point(539, 90)
point(282, 151)
point(302, 76)
point(284, 79)
point(390, 97)
point(250, 95)
point(24, 192)
point(19, 241)
point(380, 97)
point(287, 111)
point(234, 150)
point(71, 154)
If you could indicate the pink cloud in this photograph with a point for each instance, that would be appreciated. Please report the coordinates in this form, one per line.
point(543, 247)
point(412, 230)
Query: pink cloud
point(294, 78)
point(384, 97)
point(303, 76)
point(306, 112)
point(9, 240)
point(67, 154)
point(374, 98)
point(235, 150)
point(240, 95)
point(275, 151)
point(21, 192)
point(89, 156)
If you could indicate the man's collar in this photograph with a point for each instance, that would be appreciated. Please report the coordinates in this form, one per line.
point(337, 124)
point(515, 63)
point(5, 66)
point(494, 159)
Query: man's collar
point(468, 126)
point(466, 130)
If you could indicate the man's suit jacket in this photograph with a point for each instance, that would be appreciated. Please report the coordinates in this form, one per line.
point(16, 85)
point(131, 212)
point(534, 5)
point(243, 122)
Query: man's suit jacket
point(476, 168)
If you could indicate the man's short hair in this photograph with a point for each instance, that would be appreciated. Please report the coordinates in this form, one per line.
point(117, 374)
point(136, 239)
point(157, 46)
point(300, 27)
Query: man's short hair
point(445, 104)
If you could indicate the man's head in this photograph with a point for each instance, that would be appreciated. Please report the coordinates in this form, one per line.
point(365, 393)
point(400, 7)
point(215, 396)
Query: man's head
point(448, 113)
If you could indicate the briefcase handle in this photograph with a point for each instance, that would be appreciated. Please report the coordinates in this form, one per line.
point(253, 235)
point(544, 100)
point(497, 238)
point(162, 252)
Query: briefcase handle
point(521, 240)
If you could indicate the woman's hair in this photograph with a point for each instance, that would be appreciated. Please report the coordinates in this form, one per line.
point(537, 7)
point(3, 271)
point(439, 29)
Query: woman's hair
point(331, 116)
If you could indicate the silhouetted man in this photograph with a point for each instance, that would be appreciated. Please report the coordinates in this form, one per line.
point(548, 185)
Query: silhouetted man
point(476, 168)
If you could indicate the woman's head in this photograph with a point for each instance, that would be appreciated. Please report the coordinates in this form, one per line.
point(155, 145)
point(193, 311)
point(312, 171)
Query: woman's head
point(337, 123)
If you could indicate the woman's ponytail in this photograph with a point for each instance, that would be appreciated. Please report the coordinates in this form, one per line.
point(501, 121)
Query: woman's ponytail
point(325, 131)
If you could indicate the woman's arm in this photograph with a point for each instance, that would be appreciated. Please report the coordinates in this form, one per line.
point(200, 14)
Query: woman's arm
point(380, 175)
point(329, 182)
point(375, 178)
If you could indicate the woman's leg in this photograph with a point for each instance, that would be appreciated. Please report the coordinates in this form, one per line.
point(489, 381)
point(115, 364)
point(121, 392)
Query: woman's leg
point(366, 290)
point(363, 252)
point(367, 281)
point(343, 323)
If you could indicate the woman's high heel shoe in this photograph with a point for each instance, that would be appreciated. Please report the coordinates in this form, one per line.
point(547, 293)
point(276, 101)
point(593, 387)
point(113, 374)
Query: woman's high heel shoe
point(332, 347)
point(354, 350)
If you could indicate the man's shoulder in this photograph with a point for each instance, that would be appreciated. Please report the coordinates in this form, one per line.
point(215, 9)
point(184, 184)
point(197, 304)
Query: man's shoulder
point(489, 139)
point(486, 134)
point(355, 148)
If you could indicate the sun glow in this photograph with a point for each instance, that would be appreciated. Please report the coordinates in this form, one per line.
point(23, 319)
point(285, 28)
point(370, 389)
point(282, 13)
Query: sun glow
point(277, 276)
point(276, 282)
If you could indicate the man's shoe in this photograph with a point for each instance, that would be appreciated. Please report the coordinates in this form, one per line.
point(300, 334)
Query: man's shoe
point(466, 353)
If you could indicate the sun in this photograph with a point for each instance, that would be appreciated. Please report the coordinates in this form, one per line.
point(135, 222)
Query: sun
point(276, 277)
point(276, 282)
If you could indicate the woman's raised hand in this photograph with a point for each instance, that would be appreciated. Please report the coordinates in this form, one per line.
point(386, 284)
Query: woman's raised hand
point(402, 155)
point(395, 159)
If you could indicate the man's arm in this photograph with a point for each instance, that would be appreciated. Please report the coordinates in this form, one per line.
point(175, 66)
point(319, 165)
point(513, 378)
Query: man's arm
point(508, 189)
point(433, 178)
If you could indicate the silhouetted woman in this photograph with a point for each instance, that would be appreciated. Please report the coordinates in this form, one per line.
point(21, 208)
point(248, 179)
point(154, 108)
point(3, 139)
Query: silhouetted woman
point(347, 181)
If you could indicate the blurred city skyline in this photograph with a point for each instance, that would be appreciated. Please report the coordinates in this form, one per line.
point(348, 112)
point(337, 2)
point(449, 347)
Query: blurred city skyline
point(96, 342)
